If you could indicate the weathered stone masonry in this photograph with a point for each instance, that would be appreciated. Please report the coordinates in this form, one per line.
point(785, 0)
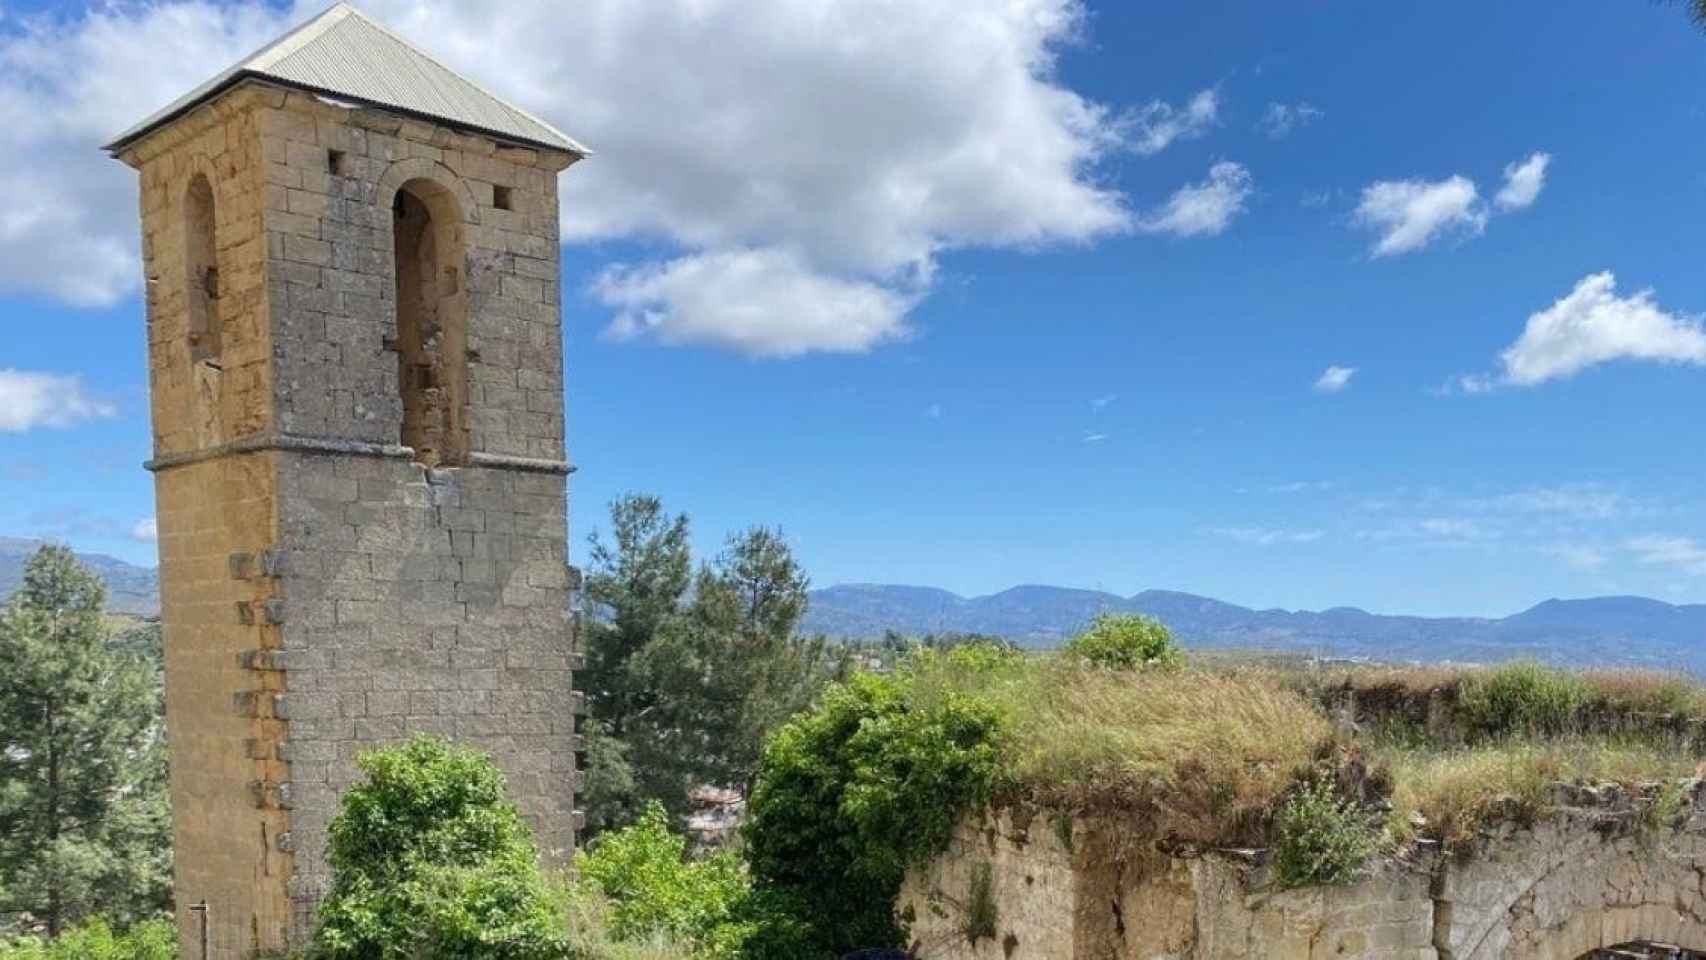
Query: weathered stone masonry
point(323, 590)
point(1591, 875)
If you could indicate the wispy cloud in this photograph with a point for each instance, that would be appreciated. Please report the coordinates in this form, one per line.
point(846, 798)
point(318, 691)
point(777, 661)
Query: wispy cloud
point(1684, 554)
point(1091, 436)
point(1157, 125)
point(145, 530)
point(1103, 402)
point(1280, 119)
point(1334, 379)
point(1536, 518)
point(1451, 528)
point(31, 399)
point(1576, 556)
point(1303, 486)
point(1582, 500)
point(1267, 536)
point(1202, 209)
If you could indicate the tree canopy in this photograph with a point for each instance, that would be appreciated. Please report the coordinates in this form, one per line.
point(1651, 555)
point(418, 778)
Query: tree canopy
point(84, 811)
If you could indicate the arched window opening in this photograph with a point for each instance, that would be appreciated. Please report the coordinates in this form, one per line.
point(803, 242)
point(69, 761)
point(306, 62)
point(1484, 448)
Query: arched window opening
point(432, 323)
point(202, 262)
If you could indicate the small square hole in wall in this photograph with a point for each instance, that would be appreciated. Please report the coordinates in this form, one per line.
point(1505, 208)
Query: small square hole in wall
point(335, 162)
point(501, 198)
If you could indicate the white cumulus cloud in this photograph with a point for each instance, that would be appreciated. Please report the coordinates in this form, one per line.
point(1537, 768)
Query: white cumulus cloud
point(1523, 182)
point(1593, 325)
point(1203, 209)
point(145, 530)
point(1410, 214)
point(767, 303)
point(1334, 379)
point(839, 151)
point(1158, 124)
point(30, 399)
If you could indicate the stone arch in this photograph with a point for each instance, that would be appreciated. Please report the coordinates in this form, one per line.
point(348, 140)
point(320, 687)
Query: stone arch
point(430, 269)
point(420, 168)
point(1566, 891)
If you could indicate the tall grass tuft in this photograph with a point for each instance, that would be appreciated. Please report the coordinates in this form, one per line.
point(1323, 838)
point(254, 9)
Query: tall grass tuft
point(1448, 794)
point(1521, 699)
point(1205, 756)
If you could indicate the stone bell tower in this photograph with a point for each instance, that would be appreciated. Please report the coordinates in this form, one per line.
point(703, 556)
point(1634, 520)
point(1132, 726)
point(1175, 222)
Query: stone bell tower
point(355, 354)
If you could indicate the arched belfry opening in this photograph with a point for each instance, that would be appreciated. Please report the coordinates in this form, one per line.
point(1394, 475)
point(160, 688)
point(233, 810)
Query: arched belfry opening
point(432, 322)
point(201, 259)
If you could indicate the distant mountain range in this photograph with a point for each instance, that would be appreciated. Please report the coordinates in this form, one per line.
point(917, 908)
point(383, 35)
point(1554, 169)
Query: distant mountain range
point(130, 589)
point(1627, 631)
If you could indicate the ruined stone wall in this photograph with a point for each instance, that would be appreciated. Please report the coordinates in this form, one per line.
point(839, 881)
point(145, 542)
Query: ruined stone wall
point(1596, 872)
point(323, 593)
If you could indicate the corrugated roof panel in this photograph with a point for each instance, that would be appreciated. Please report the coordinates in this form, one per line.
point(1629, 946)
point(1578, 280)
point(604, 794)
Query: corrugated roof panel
point(344, 54)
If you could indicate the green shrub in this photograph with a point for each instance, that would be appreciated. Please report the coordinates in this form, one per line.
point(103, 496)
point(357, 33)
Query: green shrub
point(654, 889)
point(1119, 641)
point(852, 793)
point(1520, 699)
point(95, 940)
point(429, 859)
point(1320, 838)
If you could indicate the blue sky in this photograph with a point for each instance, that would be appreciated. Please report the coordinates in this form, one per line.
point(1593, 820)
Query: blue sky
point(1001, 297)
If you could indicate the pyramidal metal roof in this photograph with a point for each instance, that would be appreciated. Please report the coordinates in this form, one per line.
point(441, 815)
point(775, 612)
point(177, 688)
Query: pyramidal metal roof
point(345, 55)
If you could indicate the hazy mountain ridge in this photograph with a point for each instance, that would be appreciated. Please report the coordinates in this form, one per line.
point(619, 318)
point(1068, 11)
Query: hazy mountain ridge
point(130, 589)
point(1634, 631)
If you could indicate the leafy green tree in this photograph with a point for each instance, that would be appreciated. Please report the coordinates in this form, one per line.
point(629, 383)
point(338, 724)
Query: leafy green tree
point(429, 859)
point(757, 670)
point(634, 588)
point(84, 815)
point(686, 673)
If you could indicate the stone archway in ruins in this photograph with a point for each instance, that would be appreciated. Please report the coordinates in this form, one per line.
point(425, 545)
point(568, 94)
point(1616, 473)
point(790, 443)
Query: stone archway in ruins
point(1578, 887)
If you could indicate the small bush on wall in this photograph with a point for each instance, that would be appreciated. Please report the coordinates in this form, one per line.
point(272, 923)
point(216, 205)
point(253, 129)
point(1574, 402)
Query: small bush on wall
point(1320, 837)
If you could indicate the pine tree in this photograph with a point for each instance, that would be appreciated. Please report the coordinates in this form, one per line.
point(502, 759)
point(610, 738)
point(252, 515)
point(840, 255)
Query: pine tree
point(84, 821)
